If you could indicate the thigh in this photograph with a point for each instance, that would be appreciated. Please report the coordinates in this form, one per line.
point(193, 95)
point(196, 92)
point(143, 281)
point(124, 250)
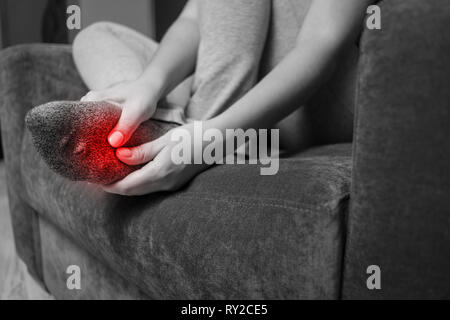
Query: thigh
point(233, 34)
point(107, 53)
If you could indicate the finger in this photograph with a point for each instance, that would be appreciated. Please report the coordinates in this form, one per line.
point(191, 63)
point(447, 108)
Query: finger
point(111, 94)
point(129, 121)
point(140, 154)
point(136, 183)
point(92, 96)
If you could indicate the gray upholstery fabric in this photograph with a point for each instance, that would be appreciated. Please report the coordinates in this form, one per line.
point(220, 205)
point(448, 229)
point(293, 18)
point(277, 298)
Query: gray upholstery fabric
point(97, 280)
point(400, 216)
point(30, 75)
point(230, 234)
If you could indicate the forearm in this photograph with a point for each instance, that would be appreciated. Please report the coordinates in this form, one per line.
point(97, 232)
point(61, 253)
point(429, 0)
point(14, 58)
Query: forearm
point(176, 56)
point(283, 90)
point(329, 27)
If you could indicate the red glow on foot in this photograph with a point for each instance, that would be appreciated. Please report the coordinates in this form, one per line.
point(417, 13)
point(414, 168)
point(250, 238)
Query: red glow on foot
point(72, 137)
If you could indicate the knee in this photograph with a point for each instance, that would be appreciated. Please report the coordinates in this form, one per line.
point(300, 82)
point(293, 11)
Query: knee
point(92, 33)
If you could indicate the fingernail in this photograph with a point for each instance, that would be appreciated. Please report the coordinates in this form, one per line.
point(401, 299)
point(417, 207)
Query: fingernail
point(115, 139)
point(124, 153)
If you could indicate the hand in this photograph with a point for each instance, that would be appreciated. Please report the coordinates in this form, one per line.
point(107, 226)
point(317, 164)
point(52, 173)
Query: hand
point(159, 174)
point(138, 101)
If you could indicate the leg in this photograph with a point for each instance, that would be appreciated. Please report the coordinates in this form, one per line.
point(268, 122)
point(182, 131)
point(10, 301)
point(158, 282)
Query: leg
point(233, 34)
point(107, 53)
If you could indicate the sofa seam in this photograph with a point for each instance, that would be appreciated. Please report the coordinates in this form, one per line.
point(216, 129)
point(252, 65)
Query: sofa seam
point(310, 209)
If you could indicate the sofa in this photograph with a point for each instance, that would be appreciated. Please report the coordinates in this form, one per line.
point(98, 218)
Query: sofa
point(312, 231)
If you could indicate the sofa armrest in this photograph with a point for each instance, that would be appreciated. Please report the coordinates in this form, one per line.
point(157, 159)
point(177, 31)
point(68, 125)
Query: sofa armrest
point(400, 202)
point(30, 75)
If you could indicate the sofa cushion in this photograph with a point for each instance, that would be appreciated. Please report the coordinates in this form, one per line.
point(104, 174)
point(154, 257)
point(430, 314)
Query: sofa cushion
point(97, 282)
point(230, 233)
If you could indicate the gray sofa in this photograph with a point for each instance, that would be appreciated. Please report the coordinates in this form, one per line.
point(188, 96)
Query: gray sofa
point(309, 232)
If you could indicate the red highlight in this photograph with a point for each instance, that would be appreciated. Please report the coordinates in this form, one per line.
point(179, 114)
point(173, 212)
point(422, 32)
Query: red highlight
point(72, 137)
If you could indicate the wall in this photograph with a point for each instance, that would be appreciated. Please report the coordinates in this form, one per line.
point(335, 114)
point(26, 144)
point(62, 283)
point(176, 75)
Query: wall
point(137, 14)
point(21, 20)
point(167, 11)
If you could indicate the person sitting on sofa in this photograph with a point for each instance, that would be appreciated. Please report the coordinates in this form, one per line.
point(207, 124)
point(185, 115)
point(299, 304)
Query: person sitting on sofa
point(223, 44)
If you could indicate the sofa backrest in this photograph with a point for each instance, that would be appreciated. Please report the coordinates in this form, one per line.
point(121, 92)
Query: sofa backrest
point(399, 216)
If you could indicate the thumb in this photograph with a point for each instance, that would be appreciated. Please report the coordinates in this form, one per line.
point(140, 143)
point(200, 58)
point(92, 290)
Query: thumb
point(128, 123)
